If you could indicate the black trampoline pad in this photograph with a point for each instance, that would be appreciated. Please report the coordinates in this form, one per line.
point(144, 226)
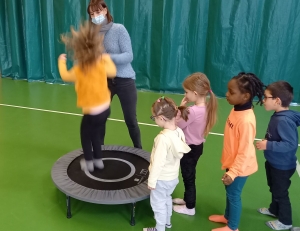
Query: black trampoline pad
point(105, 186)
point(121, 170)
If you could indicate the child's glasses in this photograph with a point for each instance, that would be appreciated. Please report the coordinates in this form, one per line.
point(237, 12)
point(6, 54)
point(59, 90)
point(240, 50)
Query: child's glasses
point(267, 97)
point(153, 117)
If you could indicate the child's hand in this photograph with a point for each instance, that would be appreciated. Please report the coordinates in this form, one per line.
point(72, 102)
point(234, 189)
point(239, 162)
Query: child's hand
point(62, 57)
point(184, 101)
point(150, 188)
point(226, 179)
point(261, 145)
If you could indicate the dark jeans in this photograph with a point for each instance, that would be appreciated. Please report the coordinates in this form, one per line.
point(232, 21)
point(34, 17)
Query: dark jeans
point(125, 89)
point(92, 132)
point(188, 165)
point(233, 201)
point(279, 183)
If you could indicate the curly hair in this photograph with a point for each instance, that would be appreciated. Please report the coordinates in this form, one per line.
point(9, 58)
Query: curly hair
point(250, 83)
point(84, 45)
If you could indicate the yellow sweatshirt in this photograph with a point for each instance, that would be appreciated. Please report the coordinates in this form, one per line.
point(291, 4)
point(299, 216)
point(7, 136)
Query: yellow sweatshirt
point(90, 84)
point(239, 154)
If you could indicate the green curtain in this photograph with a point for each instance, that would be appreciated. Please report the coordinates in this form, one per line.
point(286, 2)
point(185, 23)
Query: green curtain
point(171, 39)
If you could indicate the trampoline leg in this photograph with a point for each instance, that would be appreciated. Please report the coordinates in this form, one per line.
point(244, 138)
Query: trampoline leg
point(69, 214)
point(132, 221)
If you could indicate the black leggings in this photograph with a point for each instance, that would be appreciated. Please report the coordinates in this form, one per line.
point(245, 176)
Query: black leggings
point(188, 165)
point(92, 132)
point(125, 89)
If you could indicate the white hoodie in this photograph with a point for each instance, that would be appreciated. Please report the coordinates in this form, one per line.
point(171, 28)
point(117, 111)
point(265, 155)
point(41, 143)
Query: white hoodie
point(168, 148)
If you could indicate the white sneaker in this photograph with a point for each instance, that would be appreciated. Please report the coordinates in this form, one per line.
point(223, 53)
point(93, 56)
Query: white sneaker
point(150, 229)
point(178, 201)
point(277, 225)
point(98, 163)
point(169, 226)
point(87, 165)
point(184, 210)
point(265, 211)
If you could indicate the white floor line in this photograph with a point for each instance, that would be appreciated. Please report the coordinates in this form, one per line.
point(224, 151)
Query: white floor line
point(75, 114)
point(298, 168)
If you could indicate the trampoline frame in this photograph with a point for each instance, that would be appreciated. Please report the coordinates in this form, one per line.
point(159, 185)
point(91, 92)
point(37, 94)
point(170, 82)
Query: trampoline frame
point(72, 189)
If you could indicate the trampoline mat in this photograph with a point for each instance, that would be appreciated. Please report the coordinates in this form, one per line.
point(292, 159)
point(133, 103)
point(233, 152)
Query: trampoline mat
point(121, 170)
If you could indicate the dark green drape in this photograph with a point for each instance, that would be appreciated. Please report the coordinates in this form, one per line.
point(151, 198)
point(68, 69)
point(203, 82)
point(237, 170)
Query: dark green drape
point(170, 39)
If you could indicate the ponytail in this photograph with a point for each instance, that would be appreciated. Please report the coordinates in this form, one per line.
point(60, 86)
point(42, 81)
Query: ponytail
point(211, 112)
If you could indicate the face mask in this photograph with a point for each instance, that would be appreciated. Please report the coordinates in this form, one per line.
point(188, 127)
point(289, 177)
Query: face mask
point(99, 19)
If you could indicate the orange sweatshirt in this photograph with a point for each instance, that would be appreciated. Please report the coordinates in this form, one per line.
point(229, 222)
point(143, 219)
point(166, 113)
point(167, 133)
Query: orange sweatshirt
point(91, 84)
point(239, 154)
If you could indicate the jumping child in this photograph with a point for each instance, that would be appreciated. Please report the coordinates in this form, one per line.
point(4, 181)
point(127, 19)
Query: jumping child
point(93, 96)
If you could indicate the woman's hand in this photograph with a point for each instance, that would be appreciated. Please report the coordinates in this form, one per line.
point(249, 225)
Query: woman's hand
point(226, 179)
point(62, 57)
point(150, 188)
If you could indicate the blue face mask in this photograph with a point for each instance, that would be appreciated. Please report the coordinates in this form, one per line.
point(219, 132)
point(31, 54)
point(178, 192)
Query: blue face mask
point(99, 19)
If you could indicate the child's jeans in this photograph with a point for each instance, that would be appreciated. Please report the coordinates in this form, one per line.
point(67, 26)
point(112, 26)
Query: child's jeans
point(233, 202)
point(161, 202)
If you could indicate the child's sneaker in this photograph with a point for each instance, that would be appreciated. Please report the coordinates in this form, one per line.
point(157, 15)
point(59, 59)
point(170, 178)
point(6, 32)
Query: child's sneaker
point(87, 165)
point(150, 229)
point(184, 210)
point(277, 225)
point(295, 229)
point(169, 226)
point(98, 163)
point(178, 201)
point(266, 211)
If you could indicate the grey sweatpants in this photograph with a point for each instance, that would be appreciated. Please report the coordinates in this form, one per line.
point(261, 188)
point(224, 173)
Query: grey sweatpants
point(161, 202)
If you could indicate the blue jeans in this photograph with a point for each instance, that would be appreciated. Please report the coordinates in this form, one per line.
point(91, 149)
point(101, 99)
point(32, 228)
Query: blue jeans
point(233, 202)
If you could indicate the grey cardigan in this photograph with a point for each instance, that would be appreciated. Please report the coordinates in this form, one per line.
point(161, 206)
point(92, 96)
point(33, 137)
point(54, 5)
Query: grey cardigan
point(118, 44)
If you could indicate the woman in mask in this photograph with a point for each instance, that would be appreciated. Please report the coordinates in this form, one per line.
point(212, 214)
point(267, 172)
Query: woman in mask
point(117, 44)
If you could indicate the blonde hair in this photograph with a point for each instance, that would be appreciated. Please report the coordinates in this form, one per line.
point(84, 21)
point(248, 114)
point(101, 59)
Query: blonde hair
point(199, 83)
point(85, 45)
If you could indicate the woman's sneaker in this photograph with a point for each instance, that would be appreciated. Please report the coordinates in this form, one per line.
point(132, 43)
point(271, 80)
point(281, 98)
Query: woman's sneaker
point(266, 211)
point(178, 201)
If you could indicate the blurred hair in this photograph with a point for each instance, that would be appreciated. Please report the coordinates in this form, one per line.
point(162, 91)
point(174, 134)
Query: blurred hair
point(85, 45)
point(199, 83)
point(282, 90)
point(96, 5)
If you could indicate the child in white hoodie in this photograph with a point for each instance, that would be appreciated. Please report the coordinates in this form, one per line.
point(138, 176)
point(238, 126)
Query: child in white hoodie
point(168, 148)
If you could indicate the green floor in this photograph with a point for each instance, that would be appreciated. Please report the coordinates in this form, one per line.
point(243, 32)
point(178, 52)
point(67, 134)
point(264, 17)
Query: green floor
point(32, 140)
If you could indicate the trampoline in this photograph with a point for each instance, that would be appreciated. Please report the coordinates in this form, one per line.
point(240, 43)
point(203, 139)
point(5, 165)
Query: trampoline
point(122, 181)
